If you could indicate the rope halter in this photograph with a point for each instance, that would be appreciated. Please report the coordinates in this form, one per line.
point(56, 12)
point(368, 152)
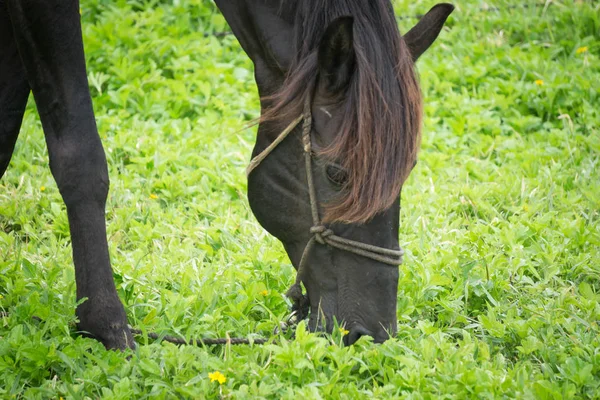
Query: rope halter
point(319, 232)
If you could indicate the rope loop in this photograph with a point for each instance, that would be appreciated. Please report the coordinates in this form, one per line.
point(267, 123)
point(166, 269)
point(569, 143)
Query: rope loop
point(321, 232)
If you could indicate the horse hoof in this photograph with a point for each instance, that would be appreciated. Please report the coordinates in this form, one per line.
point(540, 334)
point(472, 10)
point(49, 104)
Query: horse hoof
point(113, 338)
point(107, 324)
point(119, 339)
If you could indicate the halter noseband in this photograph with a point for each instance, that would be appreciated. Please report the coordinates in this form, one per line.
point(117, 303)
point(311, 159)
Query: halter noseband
point(319, 232)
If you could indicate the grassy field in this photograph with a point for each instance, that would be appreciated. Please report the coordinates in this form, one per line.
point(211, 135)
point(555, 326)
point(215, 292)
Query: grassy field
point(499, 293)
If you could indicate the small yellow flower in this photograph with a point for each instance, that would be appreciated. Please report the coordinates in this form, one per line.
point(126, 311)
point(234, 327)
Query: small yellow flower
point(344, 331)
point(264, 292)
point(42, 188)
point(1, 297)
point(153, 196)
point(539, 82)
point(217, 376)
point(581, 50)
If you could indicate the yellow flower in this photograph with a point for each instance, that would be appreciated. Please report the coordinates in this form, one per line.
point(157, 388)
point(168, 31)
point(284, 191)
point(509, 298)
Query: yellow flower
point(539, 82)
point(581, 50)
point(153, 196)
point(264, 292)
point(344, 331)
point(217, 376)
point(42, 188)
point(1, 297)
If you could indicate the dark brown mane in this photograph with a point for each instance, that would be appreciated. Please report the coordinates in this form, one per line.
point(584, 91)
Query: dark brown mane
point(380, 133)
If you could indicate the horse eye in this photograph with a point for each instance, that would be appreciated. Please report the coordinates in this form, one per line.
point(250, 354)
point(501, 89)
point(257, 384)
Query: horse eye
point(336, 174)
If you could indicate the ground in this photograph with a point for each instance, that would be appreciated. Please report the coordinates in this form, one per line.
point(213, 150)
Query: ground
point(499, 293)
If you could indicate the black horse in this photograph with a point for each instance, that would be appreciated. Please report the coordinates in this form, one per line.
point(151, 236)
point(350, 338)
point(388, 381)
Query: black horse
point(330, 191)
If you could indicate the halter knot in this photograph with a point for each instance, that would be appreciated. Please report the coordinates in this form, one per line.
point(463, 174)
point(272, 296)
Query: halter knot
point(321, 232)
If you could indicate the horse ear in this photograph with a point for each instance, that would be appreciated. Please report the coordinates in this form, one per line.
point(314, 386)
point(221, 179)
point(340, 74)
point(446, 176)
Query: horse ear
point(336, 54)
point(424, 33)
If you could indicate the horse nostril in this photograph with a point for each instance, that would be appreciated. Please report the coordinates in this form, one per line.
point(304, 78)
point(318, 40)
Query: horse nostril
point(355, 333)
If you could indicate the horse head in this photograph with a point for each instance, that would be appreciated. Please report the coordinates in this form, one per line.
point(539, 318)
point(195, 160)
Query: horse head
point(341, 75)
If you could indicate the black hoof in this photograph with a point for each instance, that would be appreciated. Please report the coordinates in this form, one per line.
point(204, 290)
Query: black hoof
point(113, 338)
point(107, 324)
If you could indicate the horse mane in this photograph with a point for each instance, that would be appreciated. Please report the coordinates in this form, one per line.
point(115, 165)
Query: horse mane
point(379, 137)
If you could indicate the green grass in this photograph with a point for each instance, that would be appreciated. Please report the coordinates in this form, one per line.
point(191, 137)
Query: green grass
point(499, 293)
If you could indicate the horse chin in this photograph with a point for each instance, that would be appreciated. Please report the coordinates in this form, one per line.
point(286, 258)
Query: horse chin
point(322, 321)
point(327, 315)
point(356, 295)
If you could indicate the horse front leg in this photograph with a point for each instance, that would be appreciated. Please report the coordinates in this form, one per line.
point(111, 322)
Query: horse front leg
point(48, 37)
point(14, 90)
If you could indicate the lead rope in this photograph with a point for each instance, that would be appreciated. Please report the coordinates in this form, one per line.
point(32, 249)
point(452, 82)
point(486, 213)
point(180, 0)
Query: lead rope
point(174, 339)
point(263, 154)
point(319, 232)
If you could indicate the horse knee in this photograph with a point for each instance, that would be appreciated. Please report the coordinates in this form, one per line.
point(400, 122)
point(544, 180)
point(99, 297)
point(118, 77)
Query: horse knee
point(80, 172)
